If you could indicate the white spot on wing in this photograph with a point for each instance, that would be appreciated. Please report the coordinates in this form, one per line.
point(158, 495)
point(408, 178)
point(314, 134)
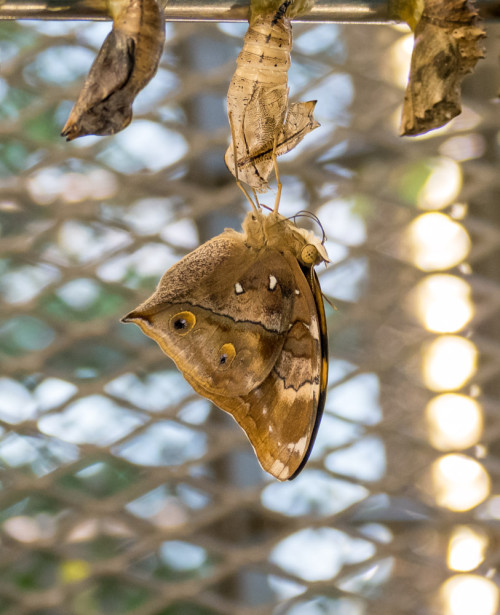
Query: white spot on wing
point(297, 291)
point(272, 282)
point(314, 328)
point(279, 469)
point(238, 288)
point(300, 446)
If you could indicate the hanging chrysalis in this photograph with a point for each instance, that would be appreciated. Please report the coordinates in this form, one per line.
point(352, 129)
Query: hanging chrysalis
point(448, 44)
point(261, 120)
point(126, 62)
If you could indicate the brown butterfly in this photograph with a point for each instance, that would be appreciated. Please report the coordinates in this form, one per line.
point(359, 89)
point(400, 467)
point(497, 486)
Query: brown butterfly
point(242, 316)
point(127, 61)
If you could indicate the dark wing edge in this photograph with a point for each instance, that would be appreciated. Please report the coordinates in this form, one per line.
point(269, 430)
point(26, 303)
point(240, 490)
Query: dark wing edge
point(320, 307)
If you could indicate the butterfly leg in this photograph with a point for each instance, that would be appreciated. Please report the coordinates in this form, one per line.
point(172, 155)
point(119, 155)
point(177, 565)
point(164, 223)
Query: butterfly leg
point(244, 190)
point(256, 197)
point(235, 157)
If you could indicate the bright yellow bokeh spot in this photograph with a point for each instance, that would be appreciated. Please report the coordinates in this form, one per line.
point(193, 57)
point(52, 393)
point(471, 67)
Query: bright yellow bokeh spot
point(448, 363)
point(435, 242)
point(466, 549)
point(443, 303)
point(74, 570)
point(453, 421)
point(442, 186)
point(399, 62)
point(469, 594)
point(459, 482)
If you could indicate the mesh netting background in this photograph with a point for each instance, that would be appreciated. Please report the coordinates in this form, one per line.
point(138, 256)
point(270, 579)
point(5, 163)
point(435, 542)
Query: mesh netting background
point(122, 491)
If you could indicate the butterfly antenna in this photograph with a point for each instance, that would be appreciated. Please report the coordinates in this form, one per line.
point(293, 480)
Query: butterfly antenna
point(276, 172)
point(235, 157)
point(308, 214)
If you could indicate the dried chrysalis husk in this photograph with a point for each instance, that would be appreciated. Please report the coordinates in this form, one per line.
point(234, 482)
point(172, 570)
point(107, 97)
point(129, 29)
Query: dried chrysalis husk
point(261, 120)
point(447, 47)
point(126, 62)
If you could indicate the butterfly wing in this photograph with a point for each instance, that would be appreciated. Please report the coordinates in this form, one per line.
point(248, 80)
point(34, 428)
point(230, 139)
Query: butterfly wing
point(214, 353)
point(258, 309)
point(323, 372)
point(221, 315)
point(281, 416)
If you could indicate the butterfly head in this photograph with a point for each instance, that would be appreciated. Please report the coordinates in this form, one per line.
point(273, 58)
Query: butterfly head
point(309, 255)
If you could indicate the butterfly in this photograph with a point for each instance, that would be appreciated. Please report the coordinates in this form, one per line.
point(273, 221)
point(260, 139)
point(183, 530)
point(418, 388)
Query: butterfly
point(242, 317)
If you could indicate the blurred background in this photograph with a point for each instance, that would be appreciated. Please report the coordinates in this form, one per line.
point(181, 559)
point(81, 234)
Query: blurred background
point(121, 490)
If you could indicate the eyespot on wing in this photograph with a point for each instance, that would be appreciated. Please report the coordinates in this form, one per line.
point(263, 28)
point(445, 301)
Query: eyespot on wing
point(182, 323)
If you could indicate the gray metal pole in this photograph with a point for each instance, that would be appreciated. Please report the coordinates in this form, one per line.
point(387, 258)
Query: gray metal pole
point(369, 11)
point(348, 11)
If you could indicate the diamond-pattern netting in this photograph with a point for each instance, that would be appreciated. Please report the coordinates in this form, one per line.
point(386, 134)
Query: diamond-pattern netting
point(122, 491)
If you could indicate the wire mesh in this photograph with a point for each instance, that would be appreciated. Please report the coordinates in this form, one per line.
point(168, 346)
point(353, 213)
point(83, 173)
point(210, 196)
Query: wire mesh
point(122, 491)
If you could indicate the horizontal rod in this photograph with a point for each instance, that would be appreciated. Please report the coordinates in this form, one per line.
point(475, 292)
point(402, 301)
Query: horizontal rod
point(340, 11)
point(197, 10)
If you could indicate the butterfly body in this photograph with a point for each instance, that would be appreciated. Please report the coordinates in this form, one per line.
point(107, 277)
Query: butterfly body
point(242, 317)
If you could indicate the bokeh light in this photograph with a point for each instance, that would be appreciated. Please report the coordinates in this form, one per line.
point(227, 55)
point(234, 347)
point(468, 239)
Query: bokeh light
point(468, 594)
point(442, 186)
point(466, 549)
point(448, 362)
point(459, 482)
point(443, 303)
point(464, 147)
point(436, 242)
point(453, 421)
point(399, 62)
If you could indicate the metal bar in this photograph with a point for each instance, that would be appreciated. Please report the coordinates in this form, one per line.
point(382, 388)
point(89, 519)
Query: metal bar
point(340, 11)
point(196, 10)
